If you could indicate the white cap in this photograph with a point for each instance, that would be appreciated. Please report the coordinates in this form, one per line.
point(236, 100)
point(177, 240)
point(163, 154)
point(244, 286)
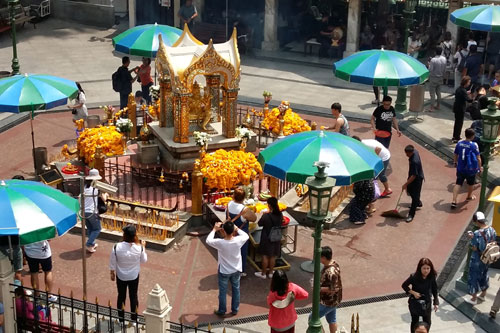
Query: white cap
point(93, 175)
point(479, 216)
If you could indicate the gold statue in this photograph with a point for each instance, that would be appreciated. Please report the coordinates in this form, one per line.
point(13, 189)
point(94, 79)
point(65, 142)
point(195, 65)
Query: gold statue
point(199, 107)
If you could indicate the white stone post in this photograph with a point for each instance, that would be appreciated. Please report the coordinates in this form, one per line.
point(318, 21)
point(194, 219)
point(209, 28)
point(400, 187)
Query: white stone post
point(450, 26)
point(157, 311)
point(353, 27)
point(270, 42)
point(6, 297)
point(131, 14)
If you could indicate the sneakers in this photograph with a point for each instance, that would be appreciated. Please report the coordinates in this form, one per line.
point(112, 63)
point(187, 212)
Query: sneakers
point(91, 249)
point(470, 301)
point(385, 193)
point(493, 314)
point(375, 101)
point(359, 222)
point(52, 298)
point(408, 219)
point(260, 275)
point(243, 274)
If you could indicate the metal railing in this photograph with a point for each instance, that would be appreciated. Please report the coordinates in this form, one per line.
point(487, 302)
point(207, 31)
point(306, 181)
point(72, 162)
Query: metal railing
point(37, 313)
point(150, 186)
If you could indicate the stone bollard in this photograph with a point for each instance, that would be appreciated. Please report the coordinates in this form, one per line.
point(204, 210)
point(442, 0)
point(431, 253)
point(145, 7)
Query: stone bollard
point(197, 190)
point(157, 311)
point(6, 278)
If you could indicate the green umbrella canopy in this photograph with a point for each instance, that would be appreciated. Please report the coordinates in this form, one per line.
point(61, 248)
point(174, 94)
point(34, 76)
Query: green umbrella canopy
point(482, 18)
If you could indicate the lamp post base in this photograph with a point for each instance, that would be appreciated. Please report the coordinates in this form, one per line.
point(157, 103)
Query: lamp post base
point(308, 266)
point(401, 100)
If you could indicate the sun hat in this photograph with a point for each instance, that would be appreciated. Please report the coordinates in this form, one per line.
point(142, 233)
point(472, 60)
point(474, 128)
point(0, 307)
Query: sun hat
point(93, 175)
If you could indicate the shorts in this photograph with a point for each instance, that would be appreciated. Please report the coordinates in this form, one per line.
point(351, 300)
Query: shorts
point(471, 179)
point(34, 264)
point(329, 312)
point(17, 256)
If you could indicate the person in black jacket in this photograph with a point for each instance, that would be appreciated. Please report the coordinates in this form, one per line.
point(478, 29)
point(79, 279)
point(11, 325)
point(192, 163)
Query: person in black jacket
point(459, 107)
point(126, 80)
point(269, 250)
point(422, 288)
point(413, 185)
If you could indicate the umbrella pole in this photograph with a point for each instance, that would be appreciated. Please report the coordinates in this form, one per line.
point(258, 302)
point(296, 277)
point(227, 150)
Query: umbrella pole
point(485, 54)
point(82, 219)
point(33, 137)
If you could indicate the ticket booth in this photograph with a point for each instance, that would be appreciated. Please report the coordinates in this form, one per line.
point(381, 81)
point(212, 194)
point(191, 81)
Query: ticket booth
point(495, 198)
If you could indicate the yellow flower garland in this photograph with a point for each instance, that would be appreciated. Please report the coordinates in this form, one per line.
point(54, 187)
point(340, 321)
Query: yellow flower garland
point(293, 123)
point(107, 137)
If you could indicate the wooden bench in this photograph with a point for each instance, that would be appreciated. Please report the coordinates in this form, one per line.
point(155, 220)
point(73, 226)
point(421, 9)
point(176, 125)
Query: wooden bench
point(206, 31)
point(22, 15)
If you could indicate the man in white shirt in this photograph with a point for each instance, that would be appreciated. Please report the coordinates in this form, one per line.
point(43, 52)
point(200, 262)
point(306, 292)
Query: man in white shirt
point(230, 266)
point(437, 69)
point(385, 156)
point(39, 254)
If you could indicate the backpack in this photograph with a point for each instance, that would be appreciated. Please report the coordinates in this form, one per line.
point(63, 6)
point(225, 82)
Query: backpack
point(461, 64)
point(470, 159)
point(491, 252)
point(117, 83)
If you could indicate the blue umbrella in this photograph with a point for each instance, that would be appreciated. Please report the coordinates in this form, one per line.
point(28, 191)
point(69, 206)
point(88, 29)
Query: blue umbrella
point(482, 18)
point(292, 157)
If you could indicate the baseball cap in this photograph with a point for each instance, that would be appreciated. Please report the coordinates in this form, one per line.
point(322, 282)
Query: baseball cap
point(479, 216)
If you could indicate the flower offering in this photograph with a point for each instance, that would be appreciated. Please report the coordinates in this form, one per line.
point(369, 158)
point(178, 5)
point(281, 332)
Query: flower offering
point(107, 137)
point(293, 123)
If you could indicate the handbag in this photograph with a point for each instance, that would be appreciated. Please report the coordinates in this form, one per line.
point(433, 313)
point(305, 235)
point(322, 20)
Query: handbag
point(101, 206)
point(281, 304)
point(73, 111)
point(418, 307)
point(376, 190)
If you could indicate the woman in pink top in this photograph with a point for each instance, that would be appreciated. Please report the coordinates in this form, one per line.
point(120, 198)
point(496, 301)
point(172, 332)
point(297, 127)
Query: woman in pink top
point(281, 301)
point(144, 73)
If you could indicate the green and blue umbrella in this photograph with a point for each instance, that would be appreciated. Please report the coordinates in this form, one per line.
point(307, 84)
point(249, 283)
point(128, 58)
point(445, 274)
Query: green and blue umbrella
point(143, 40)
point(292, 158)
point(482, 18)
point(381, 68)
point(31, 92)
point(34, 211)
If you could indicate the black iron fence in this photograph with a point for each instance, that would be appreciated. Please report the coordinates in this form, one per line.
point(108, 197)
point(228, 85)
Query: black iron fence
point(150, 186)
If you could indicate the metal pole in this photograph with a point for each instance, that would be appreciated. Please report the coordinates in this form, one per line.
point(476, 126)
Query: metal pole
point(402, 91)
point(33, 137)
point(314, 322)
point(82, 219)
point(484, 176)
point(12, 12)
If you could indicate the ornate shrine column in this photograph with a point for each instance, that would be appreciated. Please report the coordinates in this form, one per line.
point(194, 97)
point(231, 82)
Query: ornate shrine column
point(177, 117)
point(166, 118)
point(132, 114)
point(270, 42)
point(213, 84)
point(229, 115)
point(353, 27)
point(184, 118)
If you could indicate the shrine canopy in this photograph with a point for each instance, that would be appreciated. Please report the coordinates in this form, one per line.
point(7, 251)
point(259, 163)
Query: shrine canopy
point(189, 57)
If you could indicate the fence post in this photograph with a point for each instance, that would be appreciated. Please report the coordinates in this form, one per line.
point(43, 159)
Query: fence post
point(196, 190)
point(157, 311)
point(6, 297)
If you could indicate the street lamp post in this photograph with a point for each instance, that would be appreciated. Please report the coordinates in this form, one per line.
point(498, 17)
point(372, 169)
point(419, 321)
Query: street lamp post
point(491, 122)
point(320, 190)
point(12, 12)
point(408, 13)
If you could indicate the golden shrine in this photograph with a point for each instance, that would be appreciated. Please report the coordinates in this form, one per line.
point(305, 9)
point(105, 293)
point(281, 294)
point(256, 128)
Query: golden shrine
point(198, 92)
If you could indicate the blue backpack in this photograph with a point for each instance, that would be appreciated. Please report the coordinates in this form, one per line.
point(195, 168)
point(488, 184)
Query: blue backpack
point(470, 159)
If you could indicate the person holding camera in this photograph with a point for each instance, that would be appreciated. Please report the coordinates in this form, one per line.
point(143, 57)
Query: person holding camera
point(229, 259)
point(79, 109)
point(422, 288)
point(125, 265)
point(92, 218)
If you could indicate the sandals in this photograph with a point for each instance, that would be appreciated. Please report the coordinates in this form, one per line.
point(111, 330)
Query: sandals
point(473, 197)
point(453, 205)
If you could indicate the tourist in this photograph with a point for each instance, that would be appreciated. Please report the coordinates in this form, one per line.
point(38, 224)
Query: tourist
point(413, 185)
point(473, 65)
point(125, 265)
point(9, 248)
point(25, 309)
point(330, 293)
point(366, 39)
point(341, 125)
point(144, 74)
point(385, 156)
point(92, 219)
point(325, 35)
point(437, 69)
point(422, 327)
point(496, 305)
point(414, 45)
point(364, 193)
point(187, 13)
point(124, 80)
point(462, 96)
point(492, 52)
point(496, 81)
point(241, 215)
point(229, 263)
point(471, 40)
point(382, 121)
point(376, 92)
point(421, 286)
point(467, 160)
point(39, 255)
point(447, 47)
point(79, 109)
point(281, 301)
point(478, 271)
point(268, 249)
point(459, 55)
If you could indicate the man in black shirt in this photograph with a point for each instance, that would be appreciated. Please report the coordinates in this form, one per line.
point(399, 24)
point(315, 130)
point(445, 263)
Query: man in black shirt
point(382, 121)
point(473, 66)
point(413, 185)
point(126, 80)
point(13, 251)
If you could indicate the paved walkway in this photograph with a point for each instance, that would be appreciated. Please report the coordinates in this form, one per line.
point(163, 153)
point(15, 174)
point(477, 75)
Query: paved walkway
point(84, 54)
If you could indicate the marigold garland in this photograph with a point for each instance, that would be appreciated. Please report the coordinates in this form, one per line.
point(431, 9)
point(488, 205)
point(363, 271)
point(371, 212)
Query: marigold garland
point(293, 122)
point(107, 137)
point(224, 169)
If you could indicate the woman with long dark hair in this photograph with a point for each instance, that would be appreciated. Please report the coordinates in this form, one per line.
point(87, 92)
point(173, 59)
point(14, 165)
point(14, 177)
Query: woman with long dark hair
point(422, 288)
point(269, 249)
point(79, 108)
point(281, 301)
point(125, 266)
point(459, 107)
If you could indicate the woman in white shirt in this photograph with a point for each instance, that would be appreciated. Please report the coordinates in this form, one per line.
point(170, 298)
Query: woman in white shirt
point(80, 107)
point(125, 265)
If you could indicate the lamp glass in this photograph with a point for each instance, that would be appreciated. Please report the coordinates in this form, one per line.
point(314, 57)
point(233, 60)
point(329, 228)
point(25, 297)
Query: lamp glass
point(314, 198)
point(488, 133)
point(325, 202)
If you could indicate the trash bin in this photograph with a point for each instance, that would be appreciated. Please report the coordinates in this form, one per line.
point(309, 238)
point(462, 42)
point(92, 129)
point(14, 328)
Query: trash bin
point(40, 159)
point(417, 98)
point(93, 121)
